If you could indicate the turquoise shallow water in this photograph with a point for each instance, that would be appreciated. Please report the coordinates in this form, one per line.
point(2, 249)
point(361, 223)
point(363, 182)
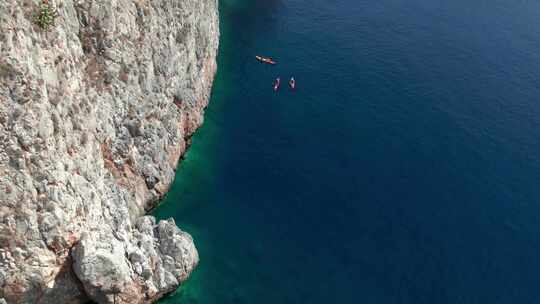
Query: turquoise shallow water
point(404, 169)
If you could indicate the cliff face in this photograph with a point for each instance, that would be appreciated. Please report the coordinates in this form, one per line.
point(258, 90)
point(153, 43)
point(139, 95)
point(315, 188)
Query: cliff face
point(94, 114)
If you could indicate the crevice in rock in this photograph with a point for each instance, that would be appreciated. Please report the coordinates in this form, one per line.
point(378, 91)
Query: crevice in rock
point(76, 280)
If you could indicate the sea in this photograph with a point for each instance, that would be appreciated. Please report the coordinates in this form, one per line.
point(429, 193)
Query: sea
point(403, 168)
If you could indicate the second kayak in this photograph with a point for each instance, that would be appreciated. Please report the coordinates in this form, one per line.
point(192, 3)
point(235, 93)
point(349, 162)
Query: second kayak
point(276, 84)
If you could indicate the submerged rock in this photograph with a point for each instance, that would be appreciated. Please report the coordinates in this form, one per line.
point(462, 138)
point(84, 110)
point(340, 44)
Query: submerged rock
point(95, 112)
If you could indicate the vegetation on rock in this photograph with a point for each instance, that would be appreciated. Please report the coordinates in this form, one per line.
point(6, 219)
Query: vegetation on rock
point(46, 16)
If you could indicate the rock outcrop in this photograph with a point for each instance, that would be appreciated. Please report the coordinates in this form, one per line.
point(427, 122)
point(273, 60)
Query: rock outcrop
point(95, 112)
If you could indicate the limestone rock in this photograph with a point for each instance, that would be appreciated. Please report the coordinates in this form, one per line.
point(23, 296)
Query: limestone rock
point(95, 113)
point(151, 263)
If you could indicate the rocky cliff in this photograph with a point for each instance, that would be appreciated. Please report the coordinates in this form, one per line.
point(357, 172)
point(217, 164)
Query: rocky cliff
point(95, 112)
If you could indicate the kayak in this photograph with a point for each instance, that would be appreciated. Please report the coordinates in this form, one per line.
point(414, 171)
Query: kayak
point(276, 84)
point(292, 83)
point(265, 60)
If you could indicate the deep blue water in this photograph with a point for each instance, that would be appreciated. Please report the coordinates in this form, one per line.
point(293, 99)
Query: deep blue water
point(404, 169)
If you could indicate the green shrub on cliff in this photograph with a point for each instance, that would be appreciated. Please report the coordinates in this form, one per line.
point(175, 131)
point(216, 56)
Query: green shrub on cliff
point(46, 16)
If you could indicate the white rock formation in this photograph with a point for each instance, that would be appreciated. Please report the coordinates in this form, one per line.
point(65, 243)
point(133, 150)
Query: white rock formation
point(95, 113)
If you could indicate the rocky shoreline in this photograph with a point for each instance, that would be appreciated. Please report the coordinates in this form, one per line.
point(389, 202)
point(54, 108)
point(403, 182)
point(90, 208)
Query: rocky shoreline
point(95, 113)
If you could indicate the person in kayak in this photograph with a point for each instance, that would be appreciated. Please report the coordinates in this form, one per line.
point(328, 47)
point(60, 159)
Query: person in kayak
point(276, 84)
point(292, 83)
point(265, 60)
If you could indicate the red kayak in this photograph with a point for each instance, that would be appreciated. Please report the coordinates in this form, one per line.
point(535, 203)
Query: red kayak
point(292, 83)
point(265, 60)
point(276, 84)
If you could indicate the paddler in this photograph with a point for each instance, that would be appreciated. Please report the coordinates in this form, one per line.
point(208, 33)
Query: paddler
point(276, 84)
